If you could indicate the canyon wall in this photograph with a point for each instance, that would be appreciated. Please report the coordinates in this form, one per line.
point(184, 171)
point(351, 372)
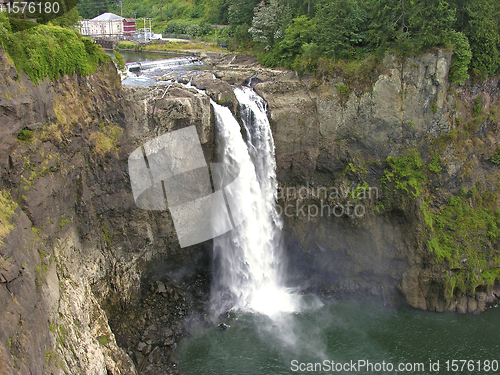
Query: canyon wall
point(79, 260)
point(388, 178)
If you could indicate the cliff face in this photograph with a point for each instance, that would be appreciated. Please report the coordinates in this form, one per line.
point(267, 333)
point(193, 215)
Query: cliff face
point(74, 242)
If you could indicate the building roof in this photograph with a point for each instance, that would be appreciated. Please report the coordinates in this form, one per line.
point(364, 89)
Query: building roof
point(107, 17)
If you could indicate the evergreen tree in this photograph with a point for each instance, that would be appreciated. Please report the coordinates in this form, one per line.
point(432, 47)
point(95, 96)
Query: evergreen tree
point(216, 11)
point(386, 23)
point(241, 12)
point(92, 8)
point(341, 26)
point(483, 32)
point(298, 34)
point(430, 22)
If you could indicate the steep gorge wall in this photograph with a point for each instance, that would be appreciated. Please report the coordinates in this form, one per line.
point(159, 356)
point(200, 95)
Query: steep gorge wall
point(77, 255)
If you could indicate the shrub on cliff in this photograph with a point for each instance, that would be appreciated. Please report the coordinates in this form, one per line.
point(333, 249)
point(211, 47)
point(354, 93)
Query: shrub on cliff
point(461, 57)
point(50, 51)
point(7, 211)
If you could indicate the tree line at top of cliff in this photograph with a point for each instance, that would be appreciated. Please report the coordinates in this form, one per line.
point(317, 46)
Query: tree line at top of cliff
point(301, 34)
point(350, 29)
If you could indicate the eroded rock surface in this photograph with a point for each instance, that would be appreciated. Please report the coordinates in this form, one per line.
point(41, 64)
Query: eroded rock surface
point(76, 250)
point(330, 135)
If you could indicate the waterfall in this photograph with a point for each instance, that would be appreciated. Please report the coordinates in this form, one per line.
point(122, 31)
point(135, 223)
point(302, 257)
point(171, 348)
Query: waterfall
point(249, 258)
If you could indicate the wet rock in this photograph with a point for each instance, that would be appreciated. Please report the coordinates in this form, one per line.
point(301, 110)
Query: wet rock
point(462, 305)
point(472, 305)
point(184, 80)
point(223, 326)
point(161, 287)
point(167, 332)
point(152, 327)
point(220, 91)
point(174, 360)
point(139, 358)
point(169, 341)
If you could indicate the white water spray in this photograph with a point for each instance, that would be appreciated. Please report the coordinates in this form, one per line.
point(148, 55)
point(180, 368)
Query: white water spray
point(250, 256)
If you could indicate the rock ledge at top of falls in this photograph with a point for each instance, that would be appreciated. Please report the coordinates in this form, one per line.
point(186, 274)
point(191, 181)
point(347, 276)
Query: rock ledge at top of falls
point(218, 90)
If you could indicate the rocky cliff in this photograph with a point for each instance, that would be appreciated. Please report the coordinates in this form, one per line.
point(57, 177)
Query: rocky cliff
point(388, 179)
point(79, 260)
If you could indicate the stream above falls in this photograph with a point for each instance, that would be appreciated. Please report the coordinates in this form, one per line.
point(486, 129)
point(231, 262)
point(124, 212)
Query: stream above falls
point(145, 68)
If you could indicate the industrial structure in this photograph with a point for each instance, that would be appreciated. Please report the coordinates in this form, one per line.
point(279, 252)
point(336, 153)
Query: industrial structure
point(108, 26)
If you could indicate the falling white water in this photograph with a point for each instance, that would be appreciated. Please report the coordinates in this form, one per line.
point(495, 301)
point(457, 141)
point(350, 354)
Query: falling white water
point(249, 257)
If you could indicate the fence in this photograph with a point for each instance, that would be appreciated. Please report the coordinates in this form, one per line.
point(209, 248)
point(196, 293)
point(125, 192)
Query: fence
point(178, 36)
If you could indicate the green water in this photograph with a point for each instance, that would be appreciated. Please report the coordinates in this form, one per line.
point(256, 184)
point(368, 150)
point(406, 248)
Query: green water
point(345, 331)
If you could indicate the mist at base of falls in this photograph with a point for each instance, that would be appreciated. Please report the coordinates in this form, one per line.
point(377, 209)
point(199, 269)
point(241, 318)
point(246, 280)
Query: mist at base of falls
point(340, 331)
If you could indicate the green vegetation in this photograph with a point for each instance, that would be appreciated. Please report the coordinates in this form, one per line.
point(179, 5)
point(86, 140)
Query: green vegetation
point(51, 357)
point(435, 164)
point(434, 106)
point(119, 61)
point(298, 34)
point(103, 340)
point(477, 109)
point(106, 140)
point(49, 51)
point(25, 135)
point(465, 233)
point(7, 211)
point(355, 167)
point(41, 273)
point(64, 222)
point(496, 158)
point(344, 90)
point(125, 44)
point(462, 229)
point(106, 236)
point(462, 56)
point(404, 173)
point(180, 46)
point(188, 27)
